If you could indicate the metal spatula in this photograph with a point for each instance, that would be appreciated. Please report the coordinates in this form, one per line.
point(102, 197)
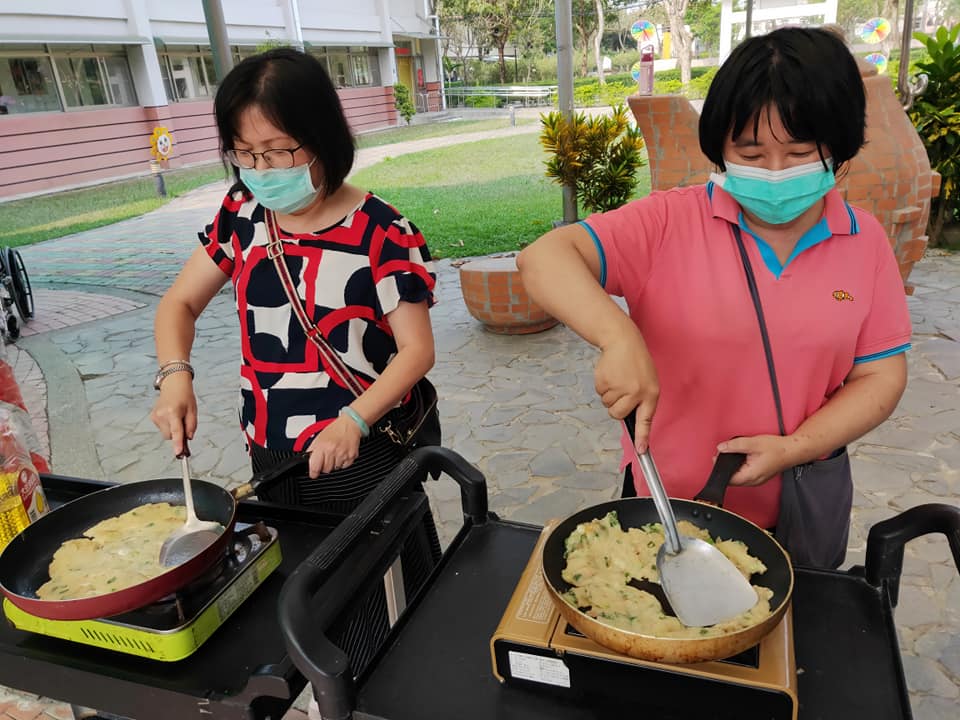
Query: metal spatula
point(195, 534)
point(702, 584)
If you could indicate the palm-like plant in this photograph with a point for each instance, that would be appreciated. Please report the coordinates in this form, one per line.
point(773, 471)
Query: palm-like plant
point(936, 115)
point(598, 156)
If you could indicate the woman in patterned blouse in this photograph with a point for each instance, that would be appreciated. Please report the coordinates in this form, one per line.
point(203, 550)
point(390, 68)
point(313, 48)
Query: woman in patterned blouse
point(362, 273)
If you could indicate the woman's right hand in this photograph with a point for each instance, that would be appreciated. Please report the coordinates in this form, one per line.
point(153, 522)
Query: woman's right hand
point(175, 412)
point(625, 378)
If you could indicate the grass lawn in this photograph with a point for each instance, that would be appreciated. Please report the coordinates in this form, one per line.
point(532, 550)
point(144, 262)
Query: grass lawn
point(23, 222)
point(468, 199)
point(44, 217)
point(475, 198)
point(419, 132)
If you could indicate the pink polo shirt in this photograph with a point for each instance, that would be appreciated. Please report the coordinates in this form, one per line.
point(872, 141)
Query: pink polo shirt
point(837, 301)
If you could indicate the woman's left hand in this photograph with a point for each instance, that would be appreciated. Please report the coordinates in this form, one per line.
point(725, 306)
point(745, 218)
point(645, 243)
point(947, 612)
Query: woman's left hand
point(767, 457)
point(335, 448)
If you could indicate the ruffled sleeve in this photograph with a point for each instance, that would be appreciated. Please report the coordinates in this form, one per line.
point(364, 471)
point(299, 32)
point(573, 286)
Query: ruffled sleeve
point(402, 266)
point(219, 237)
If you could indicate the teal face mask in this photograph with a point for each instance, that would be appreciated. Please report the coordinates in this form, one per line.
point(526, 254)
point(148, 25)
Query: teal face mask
point(776, 196)
point(283, 190)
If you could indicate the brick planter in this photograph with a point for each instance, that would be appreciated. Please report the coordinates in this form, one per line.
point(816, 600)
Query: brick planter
point(495, 295)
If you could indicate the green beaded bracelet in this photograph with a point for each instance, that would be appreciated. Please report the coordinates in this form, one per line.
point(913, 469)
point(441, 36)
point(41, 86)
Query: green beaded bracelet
point(355, 416)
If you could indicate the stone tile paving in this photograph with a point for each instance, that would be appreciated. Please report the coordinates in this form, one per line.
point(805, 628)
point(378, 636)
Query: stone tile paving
point(56, 309)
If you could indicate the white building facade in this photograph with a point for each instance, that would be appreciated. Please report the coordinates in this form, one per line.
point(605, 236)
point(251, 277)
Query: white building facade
point(84, 84)
point(768, 15)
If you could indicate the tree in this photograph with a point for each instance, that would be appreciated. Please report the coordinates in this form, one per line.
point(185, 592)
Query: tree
point(851, 13)
point(597, 39)
point(588, 19)
point(494, 23)
point(680, 36)
point(458, 35)
point(530, 33)
point(703, 17)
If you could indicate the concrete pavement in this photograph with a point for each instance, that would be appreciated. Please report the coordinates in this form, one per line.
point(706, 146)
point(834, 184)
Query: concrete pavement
point(520, 407)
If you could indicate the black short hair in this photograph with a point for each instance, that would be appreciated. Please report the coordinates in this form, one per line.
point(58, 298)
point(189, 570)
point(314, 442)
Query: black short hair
point(293, 90)
point(808, 74)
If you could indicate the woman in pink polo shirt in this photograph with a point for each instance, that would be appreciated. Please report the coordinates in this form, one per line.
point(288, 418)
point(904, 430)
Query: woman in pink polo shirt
point(783, 116)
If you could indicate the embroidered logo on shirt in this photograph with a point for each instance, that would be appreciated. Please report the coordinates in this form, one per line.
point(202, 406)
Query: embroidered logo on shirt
point(841, 295)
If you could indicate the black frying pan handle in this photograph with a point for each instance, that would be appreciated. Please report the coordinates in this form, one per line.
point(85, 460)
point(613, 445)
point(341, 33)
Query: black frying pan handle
point(887, 539)
point(724, 468)
point(630, 422)
point(272, 475)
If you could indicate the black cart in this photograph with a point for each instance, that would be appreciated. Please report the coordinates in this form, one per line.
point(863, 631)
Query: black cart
point(434, 662)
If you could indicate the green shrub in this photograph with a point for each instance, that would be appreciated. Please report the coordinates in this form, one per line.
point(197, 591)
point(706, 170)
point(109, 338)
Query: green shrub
point(936, 116)
point(616, 93)
point(598, 156)
point(624, 60)
point(403, 102)
point(481, 101)
point(700, 83)
point(545, 69)
point(667, 87)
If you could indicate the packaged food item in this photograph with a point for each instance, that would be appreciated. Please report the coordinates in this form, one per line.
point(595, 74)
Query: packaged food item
point(21, 495)
point(13, 515)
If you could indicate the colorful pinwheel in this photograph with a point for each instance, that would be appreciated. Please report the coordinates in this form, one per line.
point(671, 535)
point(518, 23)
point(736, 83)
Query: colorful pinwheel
point(874, 30)
point(643, 30)
point(878, 59)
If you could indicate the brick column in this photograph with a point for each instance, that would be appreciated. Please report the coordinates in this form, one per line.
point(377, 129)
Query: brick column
point(670, 131)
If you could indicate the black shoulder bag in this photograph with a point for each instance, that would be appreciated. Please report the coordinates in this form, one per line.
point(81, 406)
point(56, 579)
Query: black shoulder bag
point(816, 497)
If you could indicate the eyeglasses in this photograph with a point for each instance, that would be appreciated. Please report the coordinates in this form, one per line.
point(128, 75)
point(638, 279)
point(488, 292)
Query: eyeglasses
point(279, 159)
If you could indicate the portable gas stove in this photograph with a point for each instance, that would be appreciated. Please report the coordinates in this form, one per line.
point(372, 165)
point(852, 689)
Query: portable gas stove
point(534, 647)
point(176, 626)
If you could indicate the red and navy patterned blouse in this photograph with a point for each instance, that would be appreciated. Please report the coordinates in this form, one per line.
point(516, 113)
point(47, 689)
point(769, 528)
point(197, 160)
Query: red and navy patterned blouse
point(349, 277)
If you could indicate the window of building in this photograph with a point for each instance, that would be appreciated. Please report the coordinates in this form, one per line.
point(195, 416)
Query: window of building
point(27, 82)
point(45, 78)
point(188, 74)
point(350, 66)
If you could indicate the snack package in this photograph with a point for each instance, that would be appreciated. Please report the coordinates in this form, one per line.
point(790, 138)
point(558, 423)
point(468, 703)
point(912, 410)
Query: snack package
point(17, 468)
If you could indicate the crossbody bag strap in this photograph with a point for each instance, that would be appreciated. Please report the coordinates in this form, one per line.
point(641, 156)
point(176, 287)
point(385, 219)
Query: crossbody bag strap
point(768, 351)
point(329, 353)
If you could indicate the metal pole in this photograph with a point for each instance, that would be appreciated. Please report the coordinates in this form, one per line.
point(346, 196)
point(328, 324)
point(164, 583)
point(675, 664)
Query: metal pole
point(297, 28)
point(906, 37)
point(748, 22)
point(564, 23)
point(219, 43)
point(440, 69)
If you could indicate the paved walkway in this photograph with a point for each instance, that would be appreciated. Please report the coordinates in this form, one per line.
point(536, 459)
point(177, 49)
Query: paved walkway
point(522, 408)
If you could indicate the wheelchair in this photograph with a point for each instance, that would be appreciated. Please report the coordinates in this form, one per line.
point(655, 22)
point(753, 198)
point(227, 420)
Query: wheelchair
point(15, 293)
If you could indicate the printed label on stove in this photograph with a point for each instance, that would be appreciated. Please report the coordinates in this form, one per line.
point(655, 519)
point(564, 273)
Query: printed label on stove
point(536, 605)
point(550, 671)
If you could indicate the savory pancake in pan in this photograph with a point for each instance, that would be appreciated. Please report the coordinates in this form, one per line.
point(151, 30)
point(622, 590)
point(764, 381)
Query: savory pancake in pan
point(114, 554)
point(603, 559)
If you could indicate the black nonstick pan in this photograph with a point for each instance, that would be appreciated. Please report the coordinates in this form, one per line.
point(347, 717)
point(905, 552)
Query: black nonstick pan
point(705, 513)
point(25, 561)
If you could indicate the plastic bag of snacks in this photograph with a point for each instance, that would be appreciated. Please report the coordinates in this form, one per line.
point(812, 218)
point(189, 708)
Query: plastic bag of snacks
point(17, 469)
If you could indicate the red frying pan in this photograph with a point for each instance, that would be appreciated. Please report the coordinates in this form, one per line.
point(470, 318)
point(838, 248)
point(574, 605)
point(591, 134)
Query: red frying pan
point(25, 561)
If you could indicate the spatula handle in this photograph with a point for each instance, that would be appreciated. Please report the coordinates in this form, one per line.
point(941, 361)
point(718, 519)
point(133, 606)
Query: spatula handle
point(652, 476)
